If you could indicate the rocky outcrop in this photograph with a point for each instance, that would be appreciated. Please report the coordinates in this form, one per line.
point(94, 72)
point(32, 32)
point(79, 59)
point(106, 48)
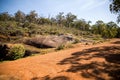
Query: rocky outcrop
point(50, 41)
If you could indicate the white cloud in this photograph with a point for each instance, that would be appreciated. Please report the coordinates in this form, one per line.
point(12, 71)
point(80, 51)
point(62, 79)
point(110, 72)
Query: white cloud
point(93, 4)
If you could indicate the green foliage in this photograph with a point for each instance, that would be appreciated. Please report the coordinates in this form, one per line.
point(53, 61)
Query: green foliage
point(32, 17)
point(60, 19)
point(82, 25)
point(115, 8)
point(108, 30)
point(10, 28)
point(29, 25)
point(4, 16)
point(20, 16)
point(16, 52)
point(118, 33)
point(43, 21)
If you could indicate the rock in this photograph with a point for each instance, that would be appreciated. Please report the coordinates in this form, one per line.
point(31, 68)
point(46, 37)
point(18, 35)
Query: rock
point(49, 41)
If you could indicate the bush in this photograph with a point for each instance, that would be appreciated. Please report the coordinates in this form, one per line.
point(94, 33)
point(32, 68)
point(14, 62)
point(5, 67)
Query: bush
point(17, 51)
point(76, 41)
point(61, 47)
point(3, 51)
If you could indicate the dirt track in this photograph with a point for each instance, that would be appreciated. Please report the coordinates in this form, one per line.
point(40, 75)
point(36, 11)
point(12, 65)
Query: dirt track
point(85, 62)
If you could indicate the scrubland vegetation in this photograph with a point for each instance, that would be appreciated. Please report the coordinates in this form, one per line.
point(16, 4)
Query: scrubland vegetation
point(23, 35)
point(23, 28)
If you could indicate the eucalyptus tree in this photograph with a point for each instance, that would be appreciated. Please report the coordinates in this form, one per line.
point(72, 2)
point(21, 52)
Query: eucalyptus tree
point(59, 18)
point(115, 8)
point(20, 16)
point(4, 16)
point(70, 19)
point(112, 29)
point(32, 17)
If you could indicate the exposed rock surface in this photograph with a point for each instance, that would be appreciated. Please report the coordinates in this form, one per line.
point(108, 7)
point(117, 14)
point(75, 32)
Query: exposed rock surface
point(50, 41)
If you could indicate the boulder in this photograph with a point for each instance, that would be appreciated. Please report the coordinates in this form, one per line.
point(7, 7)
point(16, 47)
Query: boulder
point(49, 41)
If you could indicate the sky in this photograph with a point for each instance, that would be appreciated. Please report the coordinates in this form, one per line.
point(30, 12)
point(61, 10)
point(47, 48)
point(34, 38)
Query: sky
point(92, 10)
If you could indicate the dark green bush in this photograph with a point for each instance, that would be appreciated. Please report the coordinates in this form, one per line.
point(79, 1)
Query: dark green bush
point(16, 52)
point(3, 51)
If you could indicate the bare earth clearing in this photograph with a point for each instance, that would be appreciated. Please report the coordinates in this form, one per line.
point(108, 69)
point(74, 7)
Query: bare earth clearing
point(84, 62)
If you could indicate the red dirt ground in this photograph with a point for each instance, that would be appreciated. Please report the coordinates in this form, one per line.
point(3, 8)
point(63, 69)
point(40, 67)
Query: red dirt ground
point(84, 62)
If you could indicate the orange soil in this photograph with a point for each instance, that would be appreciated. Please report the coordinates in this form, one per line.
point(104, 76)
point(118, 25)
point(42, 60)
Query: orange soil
point(84, 62)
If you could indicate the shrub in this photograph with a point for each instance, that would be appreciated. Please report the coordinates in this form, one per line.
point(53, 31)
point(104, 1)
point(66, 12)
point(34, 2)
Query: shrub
point(60, 47)
point(3, 51)
point(69, 46)
point(17, 51)
point(76, 41)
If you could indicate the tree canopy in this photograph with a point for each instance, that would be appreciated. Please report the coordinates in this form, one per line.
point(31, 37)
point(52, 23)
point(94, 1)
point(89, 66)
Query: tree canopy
point(21, 23)
point(115, 8)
